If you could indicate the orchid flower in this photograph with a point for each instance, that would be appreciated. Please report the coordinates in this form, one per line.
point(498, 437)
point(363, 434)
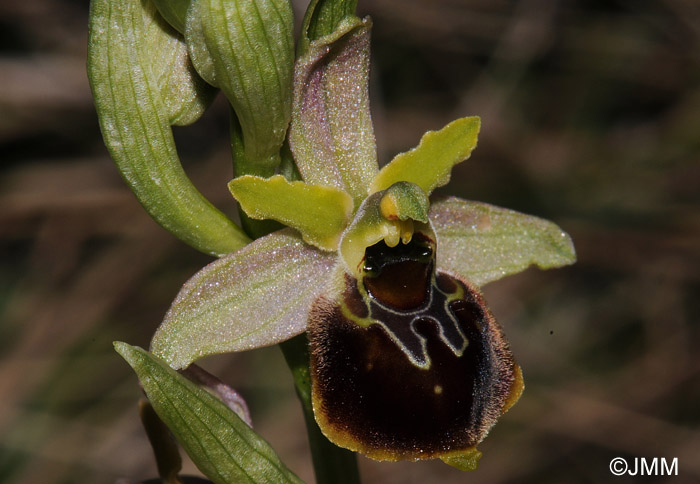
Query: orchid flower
point(407, 361)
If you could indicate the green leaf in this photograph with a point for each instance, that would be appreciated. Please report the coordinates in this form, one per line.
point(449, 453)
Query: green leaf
point(331, 133)
point(319, 213)
point(322, 18)
point(251, 46)
point(174, 11)
point(135, 122)
point(222, 446)
point(255, 297)
point(483, 243)
point(429, 164)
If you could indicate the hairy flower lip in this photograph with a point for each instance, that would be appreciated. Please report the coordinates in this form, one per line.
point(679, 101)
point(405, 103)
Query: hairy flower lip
point(263, 293)
point(366, 229)
point(350, 394)
point(328, 284)
point(340, 211)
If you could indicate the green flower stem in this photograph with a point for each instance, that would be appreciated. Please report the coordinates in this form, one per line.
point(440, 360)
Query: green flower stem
point(332, 465)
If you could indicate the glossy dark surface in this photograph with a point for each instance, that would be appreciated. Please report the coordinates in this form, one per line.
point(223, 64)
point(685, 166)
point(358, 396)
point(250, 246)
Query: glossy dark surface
point(399, 276)
point(373, 398)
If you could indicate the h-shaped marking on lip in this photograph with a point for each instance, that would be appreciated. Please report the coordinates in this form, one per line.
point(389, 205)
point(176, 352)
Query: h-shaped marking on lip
point(400, 326)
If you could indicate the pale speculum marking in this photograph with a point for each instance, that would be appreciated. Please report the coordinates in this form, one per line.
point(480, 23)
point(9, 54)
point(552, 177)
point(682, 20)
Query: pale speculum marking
point(401, 325)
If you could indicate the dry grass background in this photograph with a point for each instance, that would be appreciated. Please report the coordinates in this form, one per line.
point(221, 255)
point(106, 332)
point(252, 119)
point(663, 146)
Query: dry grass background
point(591, 116)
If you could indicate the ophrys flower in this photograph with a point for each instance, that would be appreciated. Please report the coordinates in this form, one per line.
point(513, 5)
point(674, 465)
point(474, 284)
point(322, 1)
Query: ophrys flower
point(407, 360)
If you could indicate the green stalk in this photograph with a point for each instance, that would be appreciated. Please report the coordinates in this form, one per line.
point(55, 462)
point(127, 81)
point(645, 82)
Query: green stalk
point(332, 465)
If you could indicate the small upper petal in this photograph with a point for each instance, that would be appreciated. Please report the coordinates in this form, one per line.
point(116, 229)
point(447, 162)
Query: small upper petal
point(429, 164)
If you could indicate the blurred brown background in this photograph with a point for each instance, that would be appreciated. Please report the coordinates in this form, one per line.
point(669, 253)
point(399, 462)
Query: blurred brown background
point(591, 113)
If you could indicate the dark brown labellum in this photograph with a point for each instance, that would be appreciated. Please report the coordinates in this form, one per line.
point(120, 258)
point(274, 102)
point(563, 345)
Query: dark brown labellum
point(409, 363)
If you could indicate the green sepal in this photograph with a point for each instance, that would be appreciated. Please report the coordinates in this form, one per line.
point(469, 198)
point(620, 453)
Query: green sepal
point(222, 446)
point(174, 11)
point(135, 121)
point(483, 243)
point(331, 133)
point(255, 297)
point(319, 213)
point(322, 17)
point(429, 164)
point(250, 48)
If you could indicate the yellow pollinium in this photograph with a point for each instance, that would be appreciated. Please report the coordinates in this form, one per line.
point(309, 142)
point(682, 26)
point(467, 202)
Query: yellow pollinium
point(396, 228)
point(388, 206)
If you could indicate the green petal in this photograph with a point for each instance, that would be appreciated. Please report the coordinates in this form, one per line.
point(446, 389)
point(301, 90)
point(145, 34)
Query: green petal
point(322, 17)
point(319, 213)
point(222, 446)
point(255, 297)
point(483, 243)
point(331, 133)
point(135, 114)
point(251, 46)
point(429, 164)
